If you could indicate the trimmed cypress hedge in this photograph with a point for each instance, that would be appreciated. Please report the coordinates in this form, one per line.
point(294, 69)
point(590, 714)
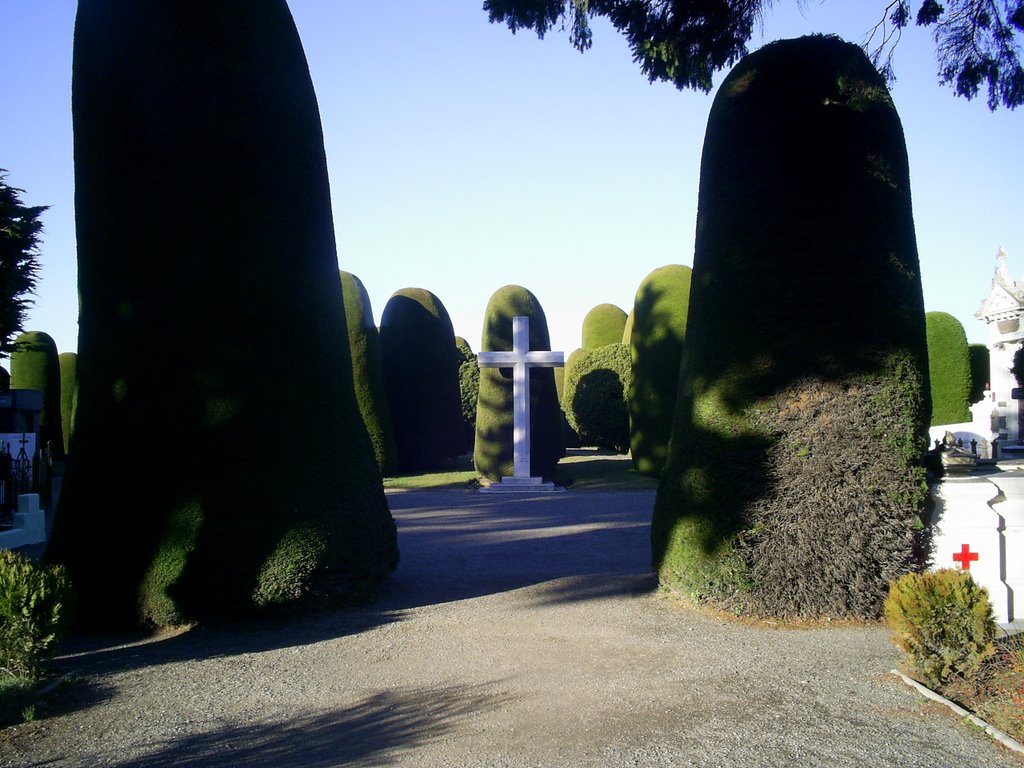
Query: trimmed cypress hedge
point(595, 397)
point(570, 438)
point(421, 380)
point(205, 237)
point(627, 331)
point(949, 369)
point(68, 363)
point(656, 347)
point(603, 325)
point(493, 454)
point(469, 387)
point(793, 484)
point(35, 364)
point(981, 370)
point(367, 372)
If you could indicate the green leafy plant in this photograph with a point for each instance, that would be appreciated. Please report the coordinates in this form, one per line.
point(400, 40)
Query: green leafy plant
point(943, 621)
point(33, 612)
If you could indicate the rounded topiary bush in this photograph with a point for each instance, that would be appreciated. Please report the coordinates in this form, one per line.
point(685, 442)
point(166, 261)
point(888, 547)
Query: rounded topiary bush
point(603, 325)
point(792, 485)
point(68, 363)
point(35, 364)
point(627, 331)
point(493, 450)
point(944, 623)
point(421, 380)
point(981, 365)
point(949, 369)
point(656, 346)
point(367, 372)
point(205, 237)
point(469, 387)
point(595, 397)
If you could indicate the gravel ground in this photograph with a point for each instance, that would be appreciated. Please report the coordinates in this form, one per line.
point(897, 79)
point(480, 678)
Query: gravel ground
point(516, 632)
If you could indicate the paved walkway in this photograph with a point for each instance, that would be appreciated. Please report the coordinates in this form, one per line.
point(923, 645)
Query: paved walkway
point(516, 632)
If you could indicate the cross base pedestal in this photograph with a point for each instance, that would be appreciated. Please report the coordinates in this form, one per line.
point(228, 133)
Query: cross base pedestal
point(522, 485)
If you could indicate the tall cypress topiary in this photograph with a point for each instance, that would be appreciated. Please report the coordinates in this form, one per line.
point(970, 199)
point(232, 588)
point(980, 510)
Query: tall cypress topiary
point(421, 380)
point(493, 451)
point(949, 369)
point(35, 365)
point(603, 325)
point(656, 347)
point(469, 387)
point(205, 237)
point(367, 372)
point(792, 485)
point(627, 331)
point(981, 370)
point(68, 363)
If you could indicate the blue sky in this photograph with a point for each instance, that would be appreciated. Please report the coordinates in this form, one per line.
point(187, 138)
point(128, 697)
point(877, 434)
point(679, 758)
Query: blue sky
point(464, 158)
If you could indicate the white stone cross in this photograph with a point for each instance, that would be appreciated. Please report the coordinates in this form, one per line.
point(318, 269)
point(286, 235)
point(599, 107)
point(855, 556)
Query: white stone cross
point(521, 360)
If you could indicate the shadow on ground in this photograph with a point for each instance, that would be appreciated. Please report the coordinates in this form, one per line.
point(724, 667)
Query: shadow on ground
point(384, 722)
point(455, 546)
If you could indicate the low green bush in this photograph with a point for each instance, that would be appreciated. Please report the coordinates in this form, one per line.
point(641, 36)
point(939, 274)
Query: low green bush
point(943, 621)
point(34, 602)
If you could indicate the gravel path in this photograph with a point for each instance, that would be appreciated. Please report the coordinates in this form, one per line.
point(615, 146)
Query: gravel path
point(516, 632)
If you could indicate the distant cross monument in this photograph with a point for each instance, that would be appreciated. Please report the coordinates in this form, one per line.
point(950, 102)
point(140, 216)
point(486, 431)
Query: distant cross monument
point(521, 360)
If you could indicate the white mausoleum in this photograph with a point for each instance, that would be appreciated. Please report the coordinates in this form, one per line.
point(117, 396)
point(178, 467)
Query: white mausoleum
point(1003, 312)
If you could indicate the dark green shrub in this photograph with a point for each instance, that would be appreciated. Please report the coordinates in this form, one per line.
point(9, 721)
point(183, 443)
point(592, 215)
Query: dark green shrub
point(493, 450)
point(981, 367)
point(35, 608)
point(949, 369)
point(421, 380)
point(595, 397)
point(367, 372)
point(5, 379)
point(205, 237)
point(656, 346)
point(68, 363)
point(943, 621)
point(603, 325)
point(35, 364)
point(20, 228)
point(792, 485)
point(469, 387)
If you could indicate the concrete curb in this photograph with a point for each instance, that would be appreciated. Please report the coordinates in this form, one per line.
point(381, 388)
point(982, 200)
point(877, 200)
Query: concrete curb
point(995, 733)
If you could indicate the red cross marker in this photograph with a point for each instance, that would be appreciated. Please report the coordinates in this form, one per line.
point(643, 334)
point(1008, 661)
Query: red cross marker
point(965, 557)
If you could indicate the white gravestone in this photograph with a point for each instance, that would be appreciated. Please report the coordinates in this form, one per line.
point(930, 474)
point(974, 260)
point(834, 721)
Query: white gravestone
point(520, 359)
point(968, 533)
